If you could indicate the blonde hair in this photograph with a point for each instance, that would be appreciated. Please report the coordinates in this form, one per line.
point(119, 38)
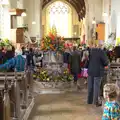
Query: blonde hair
point(110, 91)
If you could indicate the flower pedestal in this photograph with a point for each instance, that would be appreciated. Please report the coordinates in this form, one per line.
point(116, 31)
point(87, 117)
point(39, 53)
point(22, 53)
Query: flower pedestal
point(54, 85)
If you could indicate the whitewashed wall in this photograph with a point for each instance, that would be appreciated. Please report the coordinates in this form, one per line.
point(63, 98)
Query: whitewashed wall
point(107, 18)
point(93, 9)
point(115, 17)
point(33, 15)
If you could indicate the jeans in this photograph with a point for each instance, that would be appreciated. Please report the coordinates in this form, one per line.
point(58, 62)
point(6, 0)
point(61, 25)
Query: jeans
point(75, 75)
point(93, 89)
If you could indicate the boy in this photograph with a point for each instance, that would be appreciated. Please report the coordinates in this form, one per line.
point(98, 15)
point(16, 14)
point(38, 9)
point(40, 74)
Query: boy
point(111, 107)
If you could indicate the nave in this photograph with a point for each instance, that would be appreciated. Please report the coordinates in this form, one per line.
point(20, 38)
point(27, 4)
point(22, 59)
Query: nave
point(64, 106)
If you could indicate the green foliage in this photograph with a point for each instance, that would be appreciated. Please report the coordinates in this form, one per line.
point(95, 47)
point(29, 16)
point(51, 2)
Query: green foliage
point(5, 42)
point(43, 75)
point(109, 46)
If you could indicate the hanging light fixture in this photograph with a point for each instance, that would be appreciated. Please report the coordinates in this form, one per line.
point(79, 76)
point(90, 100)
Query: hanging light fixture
point(4, 2)
point(33, 22)
point(105, 14)
point(23, 14)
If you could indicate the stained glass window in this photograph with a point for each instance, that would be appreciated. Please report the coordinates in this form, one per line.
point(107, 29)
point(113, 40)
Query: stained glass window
point(59, 16)
point(58, 8)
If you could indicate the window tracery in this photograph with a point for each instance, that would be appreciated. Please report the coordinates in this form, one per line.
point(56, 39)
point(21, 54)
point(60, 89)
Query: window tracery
point(58, 8)
point(60, 18)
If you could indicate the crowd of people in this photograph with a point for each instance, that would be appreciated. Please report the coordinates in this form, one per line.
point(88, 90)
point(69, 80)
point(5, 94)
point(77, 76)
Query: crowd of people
point(19, 59)
point(91, 62)
point(88, 62)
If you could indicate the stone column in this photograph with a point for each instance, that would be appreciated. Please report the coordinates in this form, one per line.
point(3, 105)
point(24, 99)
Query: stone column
point(13, 3)
point(34, 12)
point(106, 18)
point(94, 10)
point(41, 32)
point(38, 13)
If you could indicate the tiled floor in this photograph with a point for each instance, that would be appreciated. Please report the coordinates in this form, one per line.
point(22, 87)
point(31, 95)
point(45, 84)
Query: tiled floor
point(67, 106)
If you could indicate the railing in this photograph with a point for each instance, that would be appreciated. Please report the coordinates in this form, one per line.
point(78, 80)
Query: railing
point(15, 92)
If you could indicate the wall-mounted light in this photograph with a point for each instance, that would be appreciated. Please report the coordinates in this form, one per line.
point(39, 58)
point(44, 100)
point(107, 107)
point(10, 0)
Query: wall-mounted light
point(23, 14)
point(33, 22)
point(75, 33)
point(105, 14)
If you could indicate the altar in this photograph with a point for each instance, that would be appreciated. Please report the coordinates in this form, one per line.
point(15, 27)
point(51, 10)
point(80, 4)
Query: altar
point(54, 73)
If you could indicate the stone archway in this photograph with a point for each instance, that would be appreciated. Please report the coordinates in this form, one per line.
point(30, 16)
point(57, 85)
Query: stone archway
point(75, 23)
point(79, 6)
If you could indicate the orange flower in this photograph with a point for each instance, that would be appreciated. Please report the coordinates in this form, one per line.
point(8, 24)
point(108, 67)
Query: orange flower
point(51, 46)
point(51, 36)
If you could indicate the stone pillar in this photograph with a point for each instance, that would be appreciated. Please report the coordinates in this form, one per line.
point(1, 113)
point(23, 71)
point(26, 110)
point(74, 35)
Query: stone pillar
point(94, 10)
point(13, 3)
point(41, 32)
point(86, 21)
point(106, 18)
point(34, 12)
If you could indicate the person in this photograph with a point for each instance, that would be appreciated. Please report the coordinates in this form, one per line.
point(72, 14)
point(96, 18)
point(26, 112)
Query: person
point(84, 64)
point(17, 62)
point(2, 56)
point(66, 57)
point(111, 109)
point(9, 53)
point(117, 53)
point(97, 61)
point(30, 62)
point(74, 61)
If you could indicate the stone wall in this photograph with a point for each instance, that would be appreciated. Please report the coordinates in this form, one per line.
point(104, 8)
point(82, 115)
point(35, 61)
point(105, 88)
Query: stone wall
point(33, 8)
point(115, 17)
point(94, 9)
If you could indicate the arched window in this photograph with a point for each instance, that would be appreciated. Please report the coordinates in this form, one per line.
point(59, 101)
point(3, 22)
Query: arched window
point(4, 21)
point(60, 16)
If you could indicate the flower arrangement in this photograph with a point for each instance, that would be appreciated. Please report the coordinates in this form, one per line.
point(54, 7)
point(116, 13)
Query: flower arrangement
point(44, 76)
point(5, 42)
point(52, 41)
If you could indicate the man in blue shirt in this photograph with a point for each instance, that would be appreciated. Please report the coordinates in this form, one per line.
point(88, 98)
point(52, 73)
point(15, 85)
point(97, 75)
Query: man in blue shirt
point(17, 63)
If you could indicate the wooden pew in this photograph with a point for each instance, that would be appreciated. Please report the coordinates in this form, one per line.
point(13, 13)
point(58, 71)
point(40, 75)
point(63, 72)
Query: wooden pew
point(114, 72)
point(5, 113)
point(19, 84)
point(14, 81)
point(6, 101)
point(1, 104)
point(29, 76)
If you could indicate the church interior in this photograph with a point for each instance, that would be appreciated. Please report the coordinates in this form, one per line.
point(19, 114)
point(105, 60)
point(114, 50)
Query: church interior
point(43, 87)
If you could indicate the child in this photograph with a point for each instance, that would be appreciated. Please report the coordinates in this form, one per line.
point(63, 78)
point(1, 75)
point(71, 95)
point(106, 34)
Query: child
point(111, 107)
point(85, 62)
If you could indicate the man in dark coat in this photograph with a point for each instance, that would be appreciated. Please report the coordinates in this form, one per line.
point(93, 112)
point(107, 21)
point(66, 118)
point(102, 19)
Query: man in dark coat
point(29, 58)
point(74, 61)
point(97, 62)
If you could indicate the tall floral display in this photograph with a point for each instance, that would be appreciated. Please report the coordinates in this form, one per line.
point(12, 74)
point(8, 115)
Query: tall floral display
point(52, 41)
